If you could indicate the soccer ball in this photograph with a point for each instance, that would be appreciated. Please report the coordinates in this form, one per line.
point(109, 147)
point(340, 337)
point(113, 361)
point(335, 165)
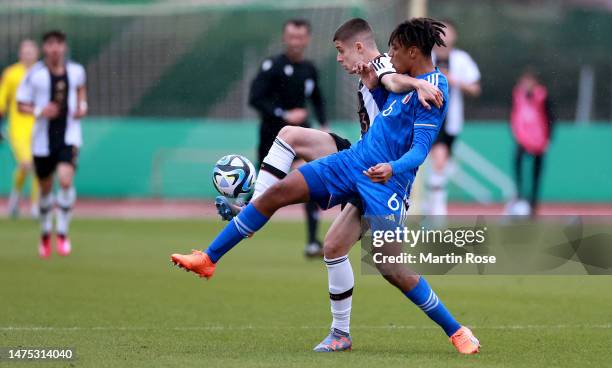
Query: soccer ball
point(234, 177)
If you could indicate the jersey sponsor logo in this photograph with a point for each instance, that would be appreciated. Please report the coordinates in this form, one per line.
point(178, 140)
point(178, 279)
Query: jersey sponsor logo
point(288, 69)
point(389, 109)
point(407, 98)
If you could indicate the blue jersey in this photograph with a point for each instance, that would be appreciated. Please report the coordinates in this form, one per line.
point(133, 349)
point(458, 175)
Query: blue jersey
point(401, 135)
point(392, 133)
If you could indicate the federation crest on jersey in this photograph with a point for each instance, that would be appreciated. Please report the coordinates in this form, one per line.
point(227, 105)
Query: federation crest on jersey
point(407, 98)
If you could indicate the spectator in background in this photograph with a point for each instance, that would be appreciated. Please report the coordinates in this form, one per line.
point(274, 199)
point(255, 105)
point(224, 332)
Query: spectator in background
point(20, 126)
point(531, 121)
point(463, 79)
point(279, 93)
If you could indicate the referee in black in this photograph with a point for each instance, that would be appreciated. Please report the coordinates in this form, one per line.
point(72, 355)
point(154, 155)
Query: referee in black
point(279, 93)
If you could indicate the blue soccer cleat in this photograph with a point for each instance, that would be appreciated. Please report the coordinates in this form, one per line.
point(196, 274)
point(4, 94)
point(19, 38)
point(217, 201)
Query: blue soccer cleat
point(335, 341)
point(225, 209)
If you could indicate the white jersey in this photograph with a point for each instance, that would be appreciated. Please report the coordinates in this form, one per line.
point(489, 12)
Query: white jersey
point(36, 89)
point(367, 108)
point(463, 68)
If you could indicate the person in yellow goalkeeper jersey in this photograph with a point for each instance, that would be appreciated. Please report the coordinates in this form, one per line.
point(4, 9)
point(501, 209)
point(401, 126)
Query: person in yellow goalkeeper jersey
point(19, 126)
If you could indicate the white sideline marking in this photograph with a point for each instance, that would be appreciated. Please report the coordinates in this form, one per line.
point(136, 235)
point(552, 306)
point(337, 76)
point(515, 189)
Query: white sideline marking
point(248, 327)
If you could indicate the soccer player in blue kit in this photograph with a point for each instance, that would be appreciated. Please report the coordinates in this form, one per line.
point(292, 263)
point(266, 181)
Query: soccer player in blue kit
point(380, 169)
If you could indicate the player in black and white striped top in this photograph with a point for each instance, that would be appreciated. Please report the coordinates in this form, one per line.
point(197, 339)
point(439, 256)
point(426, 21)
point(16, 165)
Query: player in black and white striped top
point(54, 92)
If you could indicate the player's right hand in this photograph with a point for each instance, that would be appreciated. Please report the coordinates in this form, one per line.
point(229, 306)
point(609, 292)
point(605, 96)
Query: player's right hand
point(379, 173)
point(295, 116)
point(427, 92)
point(50, 111)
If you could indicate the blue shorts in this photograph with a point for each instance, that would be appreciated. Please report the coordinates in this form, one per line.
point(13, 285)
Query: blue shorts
point(339, 177)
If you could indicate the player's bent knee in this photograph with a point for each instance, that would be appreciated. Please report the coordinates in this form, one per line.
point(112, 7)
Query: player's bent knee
point(65, 180)
point(332, 248)
point(288, 134)
point(66, 175)
point(65, 183)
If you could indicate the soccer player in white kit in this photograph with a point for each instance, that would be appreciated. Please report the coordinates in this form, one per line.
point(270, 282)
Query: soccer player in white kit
point(464, 79)
point(54, 92)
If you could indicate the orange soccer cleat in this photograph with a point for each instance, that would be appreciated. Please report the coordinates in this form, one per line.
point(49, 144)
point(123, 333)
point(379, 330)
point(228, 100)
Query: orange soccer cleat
point(196, 262)
point(465, 342)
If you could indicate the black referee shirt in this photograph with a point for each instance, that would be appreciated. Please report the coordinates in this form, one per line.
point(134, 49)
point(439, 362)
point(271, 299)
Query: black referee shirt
point(282, 85)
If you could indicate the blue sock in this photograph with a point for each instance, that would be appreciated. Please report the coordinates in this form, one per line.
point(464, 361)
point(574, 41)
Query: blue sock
point(428, 301)
point(248, 221)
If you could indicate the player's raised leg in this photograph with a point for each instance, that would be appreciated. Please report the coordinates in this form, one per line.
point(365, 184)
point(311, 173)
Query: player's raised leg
point(66, 197)
point(291, 143)
point(344, 232)
point(291, 190)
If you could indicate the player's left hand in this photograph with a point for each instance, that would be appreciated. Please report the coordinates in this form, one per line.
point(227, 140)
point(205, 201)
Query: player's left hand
point(428, 92)
point(379, 173)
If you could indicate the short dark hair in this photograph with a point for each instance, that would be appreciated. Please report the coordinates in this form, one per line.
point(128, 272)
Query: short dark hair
point(55, 34)
point(423, 33)
point(350, 28)
point(298, 22)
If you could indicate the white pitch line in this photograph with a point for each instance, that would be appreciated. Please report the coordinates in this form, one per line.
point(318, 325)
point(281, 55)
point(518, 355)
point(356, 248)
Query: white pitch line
point(248, 327)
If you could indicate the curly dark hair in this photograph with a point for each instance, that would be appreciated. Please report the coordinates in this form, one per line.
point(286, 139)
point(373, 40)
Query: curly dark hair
point(423, 33)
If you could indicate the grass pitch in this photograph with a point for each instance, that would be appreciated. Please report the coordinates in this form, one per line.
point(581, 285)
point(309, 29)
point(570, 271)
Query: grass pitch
point(119, 302)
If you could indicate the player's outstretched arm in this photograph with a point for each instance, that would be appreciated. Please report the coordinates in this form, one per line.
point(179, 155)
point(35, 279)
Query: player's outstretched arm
point(381, 72)
point(399, 83)
point(427, 92)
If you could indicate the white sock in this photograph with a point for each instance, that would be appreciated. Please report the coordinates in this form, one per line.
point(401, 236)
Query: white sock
point(341, 282)
point(65, 201)
point(45, 204)
point(275, 166)
point(13, 201)
point(436, 185)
